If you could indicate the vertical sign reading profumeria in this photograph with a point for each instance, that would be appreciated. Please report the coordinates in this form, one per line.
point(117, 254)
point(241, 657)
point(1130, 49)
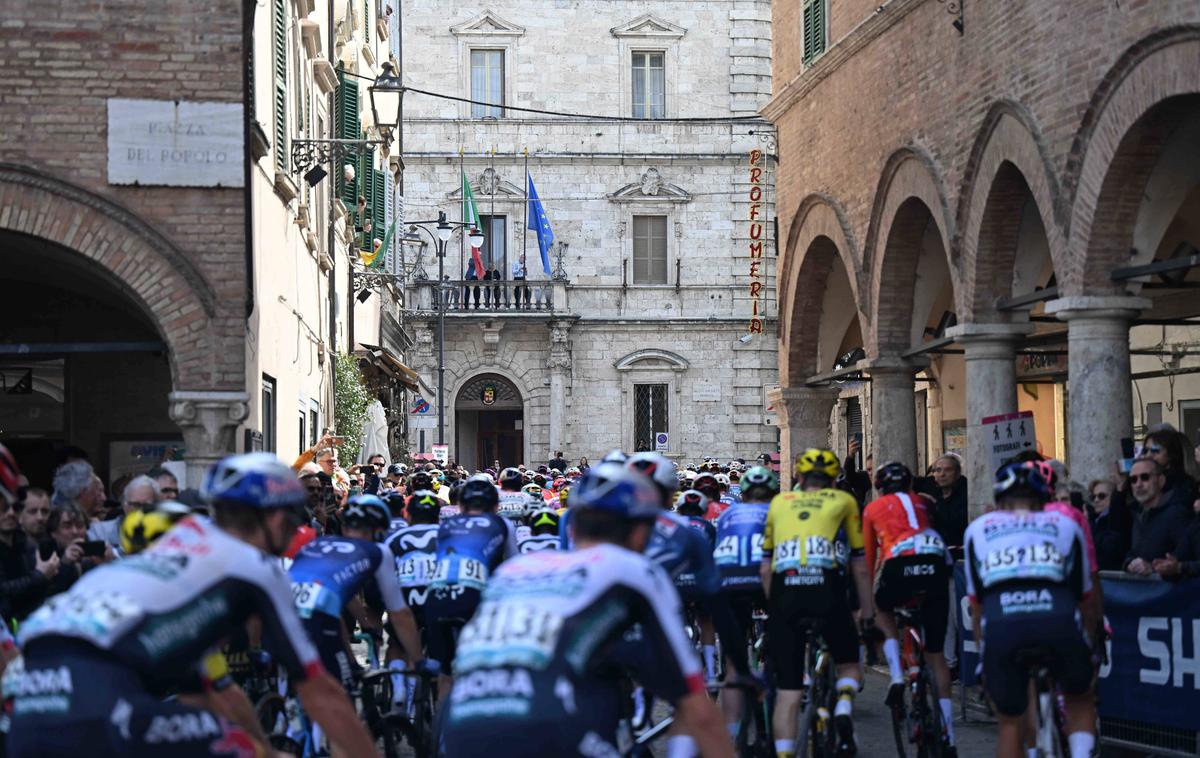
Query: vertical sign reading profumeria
point(757, 236)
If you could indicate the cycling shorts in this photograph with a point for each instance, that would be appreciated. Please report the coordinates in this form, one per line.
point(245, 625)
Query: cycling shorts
point(446, 603)
point(325, 631)
point(787, 609)
point(1016, 620)
point(73, 699)
point(924, 578)
point(743, 603)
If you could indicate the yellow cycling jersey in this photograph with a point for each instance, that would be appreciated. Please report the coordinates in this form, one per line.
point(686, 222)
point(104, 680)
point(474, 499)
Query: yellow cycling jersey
point(802, 529)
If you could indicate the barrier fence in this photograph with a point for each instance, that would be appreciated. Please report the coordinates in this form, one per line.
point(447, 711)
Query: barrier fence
point(1149, 691)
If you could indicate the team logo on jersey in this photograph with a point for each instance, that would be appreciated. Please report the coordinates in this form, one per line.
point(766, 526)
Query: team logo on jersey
point(181, 727)
point(805, 515)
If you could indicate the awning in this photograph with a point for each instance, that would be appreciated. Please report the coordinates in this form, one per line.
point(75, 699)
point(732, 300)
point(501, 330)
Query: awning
point(388, 363)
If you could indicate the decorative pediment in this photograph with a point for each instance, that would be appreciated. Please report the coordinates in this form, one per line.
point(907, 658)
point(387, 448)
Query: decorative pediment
point(487, 24)
point(650, 188)
point(651, 359)
point(649, 25)
point(489, 183)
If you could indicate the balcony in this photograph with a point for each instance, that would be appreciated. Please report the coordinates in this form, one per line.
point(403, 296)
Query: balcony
point(464, 298)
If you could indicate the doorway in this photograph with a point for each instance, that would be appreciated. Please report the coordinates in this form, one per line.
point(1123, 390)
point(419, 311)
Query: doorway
point(489, 416)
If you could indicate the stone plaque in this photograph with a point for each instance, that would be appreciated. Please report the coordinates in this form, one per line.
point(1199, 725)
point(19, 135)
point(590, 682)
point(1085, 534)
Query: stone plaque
point(176, 144)
point(706, 392)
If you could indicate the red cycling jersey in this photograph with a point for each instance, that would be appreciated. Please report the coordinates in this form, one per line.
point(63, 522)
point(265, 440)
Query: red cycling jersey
point(901, 525)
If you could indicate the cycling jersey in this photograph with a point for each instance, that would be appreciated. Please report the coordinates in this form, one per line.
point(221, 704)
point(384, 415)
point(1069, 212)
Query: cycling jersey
point(329, 571)
point(447, 511)
point(396, 524)
point(801, 533)
point(512, 504)
point(685, 554)
point(1041, 547)
point(738, 553)
point(161, 611)
point(470, 547)
point(535, 659)
point(706, 528)
point(538, 542)
point(415, 549)
point(901, 525)
point(1081, 520)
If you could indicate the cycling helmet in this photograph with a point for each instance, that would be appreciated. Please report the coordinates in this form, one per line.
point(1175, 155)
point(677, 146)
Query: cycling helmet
point(259, 480)
point(366, 510)
point(511, 479)
point(759, 484)
point(545, 519)
point(533, 489)
point(1022, 480)
point(893, 477)
point(612, 488)
point(723, 480)
point(659, 470)
point(559, 483)
point(421, 480)
point(425, 503)
point(818, 461)
point(573, 473)
point(396, 503)
point(708, 484)
point(691, 503)
point(688, 475)
point(614, 456)
point(140, 528)
point(10, 476)
point(454, 493)
point(479, 492)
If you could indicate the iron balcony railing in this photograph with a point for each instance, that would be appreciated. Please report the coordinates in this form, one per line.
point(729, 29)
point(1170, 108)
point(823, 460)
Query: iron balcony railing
point(499, 296)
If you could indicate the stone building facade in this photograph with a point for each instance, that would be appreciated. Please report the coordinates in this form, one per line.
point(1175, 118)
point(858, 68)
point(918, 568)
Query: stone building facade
point(646, 312)
point(1021, 191)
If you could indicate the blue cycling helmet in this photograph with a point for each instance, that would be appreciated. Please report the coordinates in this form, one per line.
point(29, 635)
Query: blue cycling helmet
point(259, 480)
point(368, 510)
point(613, 488)
point(479, 492)
point(1022, 479)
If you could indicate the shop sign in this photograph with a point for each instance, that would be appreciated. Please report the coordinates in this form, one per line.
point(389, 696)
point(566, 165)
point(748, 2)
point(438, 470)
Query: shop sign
point(758, 234)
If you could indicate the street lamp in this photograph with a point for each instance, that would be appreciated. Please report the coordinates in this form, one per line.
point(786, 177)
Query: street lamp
point(475, 238)
point(387, 103)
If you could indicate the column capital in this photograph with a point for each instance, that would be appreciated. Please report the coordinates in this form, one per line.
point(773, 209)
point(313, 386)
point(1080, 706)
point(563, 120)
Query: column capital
point(802, 405)
point(1103, 307)
point(891, 365)
point(209, 422)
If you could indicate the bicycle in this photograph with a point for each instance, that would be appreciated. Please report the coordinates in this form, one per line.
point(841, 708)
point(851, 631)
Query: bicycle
point(414, 724)
point(817, 729)
point(919, 724)
point(1051, 739)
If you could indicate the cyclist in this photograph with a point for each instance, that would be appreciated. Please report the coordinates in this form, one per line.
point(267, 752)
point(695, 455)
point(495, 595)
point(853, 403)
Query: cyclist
point(512, 500)
point(738, 556)
point(907, 558)
point(543, 531)
point(707, 483)
point(330, 571)
point(801, 577)
point(694, 506)
point(148, 620)
point(469, 548)
point(1028, 579)
point(537, 658)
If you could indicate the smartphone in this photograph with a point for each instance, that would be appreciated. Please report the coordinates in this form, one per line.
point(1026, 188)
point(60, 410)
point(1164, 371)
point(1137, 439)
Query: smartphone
point(1127, 447)
point(45, 550)
point(858, 438)
point(1126, 464)
point(94, 548)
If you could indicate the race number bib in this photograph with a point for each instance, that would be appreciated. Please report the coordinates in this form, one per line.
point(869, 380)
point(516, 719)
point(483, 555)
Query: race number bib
point(305, 596)
point(787, 556)
point(100, 616)
point(1033, 561)
point(417, 569)
point(467, 572)
point(819, 552)
point(508, 634)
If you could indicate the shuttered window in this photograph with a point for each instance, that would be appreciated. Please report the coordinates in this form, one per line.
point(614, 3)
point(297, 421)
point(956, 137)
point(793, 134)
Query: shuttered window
point(650, 250)
point(347, 128)
point(379, 207)
point(814, 32)
point(279, 41)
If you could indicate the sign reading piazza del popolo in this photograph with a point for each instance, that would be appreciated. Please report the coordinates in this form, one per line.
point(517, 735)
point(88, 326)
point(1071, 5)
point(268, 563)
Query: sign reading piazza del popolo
point(174, 143)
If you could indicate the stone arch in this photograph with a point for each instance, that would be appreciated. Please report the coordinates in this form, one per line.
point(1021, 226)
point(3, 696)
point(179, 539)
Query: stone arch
point(142, 263)
point(819, 235)
point(910, 199)
point(674, 361)
point(476, 370)
point(1008, 166)
point(1137, 104)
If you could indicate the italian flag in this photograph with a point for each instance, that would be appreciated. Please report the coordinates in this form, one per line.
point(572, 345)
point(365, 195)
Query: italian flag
point(470, 215)
point(377, 257)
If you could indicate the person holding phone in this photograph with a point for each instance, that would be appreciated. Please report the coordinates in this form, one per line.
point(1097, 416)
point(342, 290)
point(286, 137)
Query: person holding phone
point(67, 538)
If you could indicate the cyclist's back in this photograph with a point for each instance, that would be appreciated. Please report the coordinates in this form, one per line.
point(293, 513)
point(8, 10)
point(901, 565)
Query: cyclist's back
point(738, 551)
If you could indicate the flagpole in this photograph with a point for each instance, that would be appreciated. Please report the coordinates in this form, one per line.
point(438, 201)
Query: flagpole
point(491, 243)
point(462, 212)
point(525, 236)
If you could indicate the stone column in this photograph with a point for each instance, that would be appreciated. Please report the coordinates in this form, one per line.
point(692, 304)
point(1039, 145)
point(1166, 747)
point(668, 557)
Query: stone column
point(803, 423)
point(559, 365)
point(1100, 411)
point(209, 422)
point(893, 411)
point(991, 367)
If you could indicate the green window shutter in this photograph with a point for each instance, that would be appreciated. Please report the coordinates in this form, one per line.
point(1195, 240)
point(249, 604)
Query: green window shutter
point(347, 128)
point(814, 29)
point(279, 41)
point(367, 173)
point(379, 209)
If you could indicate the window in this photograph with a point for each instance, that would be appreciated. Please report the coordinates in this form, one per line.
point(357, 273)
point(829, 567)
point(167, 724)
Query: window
point(268, 413)
point(650, 250)
point(814, 33)
point(649, 414)
point(301, 444)
point(487, 82)
point(347, 128)
point(494, 243)
point(649, 86)
point(1189, 419)
point(314, 423)
point(280, 44)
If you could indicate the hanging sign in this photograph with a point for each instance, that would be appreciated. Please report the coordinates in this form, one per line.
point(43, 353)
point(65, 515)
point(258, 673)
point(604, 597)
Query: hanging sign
point(1008, 435)
point(758, 233)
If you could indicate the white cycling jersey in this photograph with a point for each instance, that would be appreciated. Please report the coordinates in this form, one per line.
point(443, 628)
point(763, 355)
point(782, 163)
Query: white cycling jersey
point(512, 505)
point(1032, 546)
point(535, 543)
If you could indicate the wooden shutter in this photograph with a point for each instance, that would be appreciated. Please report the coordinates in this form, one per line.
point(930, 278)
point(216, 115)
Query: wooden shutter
point(279, 41)
point(379, 207)
point(814, 29)
point(347, 128)
point(366, 182)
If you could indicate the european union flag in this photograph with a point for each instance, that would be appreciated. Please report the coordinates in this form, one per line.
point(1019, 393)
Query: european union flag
point(536, 217)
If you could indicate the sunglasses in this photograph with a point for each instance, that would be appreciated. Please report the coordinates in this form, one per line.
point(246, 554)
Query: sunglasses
point(1153, 449)
point(1100, 496)
point(170, 491)
point(142, 505)
point(1141, 477)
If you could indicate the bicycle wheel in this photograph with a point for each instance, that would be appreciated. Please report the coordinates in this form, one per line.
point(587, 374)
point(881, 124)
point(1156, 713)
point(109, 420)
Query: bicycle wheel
point(900, 726)
point(929, 717)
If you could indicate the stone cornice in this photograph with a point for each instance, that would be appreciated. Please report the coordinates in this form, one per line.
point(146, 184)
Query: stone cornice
point(884, 18)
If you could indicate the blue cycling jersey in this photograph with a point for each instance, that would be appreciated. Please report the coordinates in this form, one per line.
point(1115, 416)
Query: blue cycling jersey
point(738, 553)
point(329, 571)
point(470, 547)
point(685, 554)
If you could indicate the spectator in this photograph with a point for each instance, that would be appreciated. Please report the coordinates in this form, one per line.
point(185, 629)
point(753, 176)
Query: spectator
point(583, 464)
point(67, 529)
point(22, 589)
point(1185, 561)
point(559, 462)
point(72, 480)
point(32, 512)
point(948, 489)
point(1157, 529)
point(518, 275)
point(142, 493)
point(1166, 447)
point(1111, 523)
point(497, 277)
point(168, 485)
point(859, 482)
